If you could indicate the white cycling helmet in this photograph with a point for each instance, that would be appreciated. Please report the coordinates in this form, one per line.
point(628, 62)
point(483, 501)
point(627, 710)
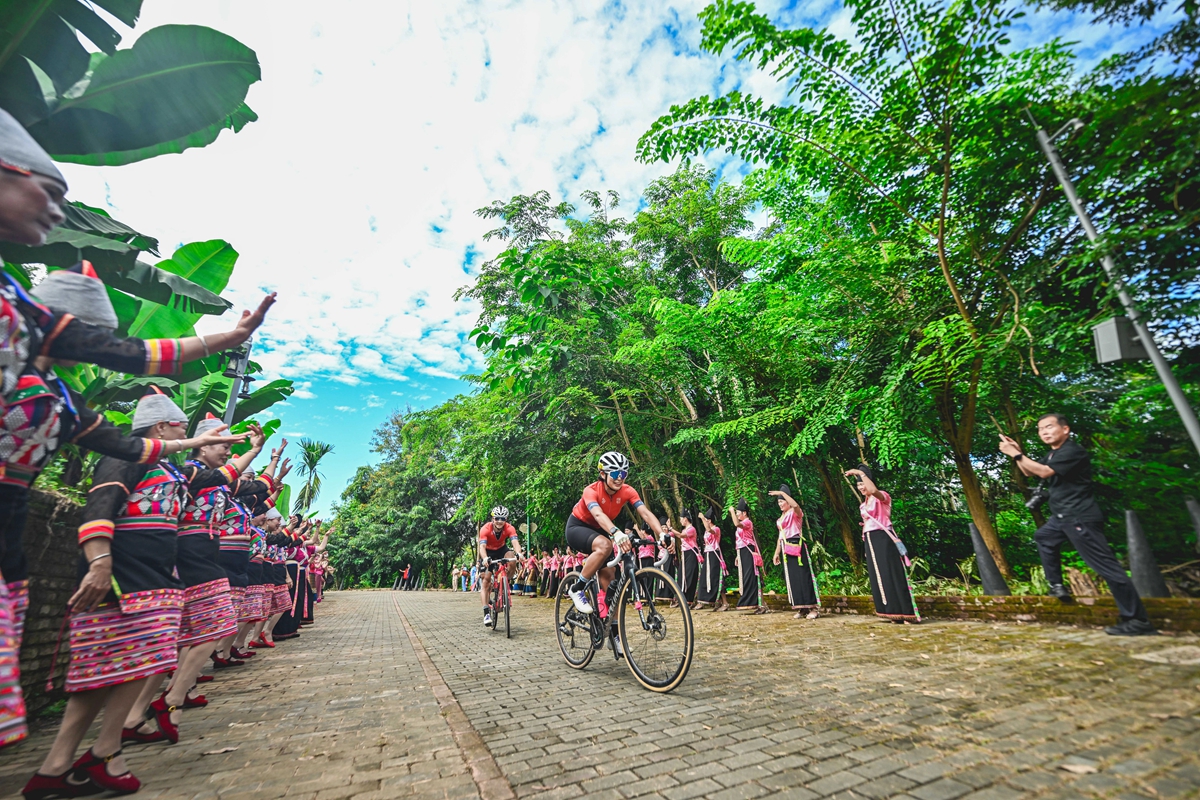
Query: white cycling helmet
point(612, 461)
point(499, 512)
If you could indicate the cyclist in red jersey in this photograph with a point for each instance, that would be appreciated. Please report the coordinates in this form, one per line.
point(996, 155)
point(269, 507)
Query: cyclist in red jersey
point(494, 540)
point(590, 525)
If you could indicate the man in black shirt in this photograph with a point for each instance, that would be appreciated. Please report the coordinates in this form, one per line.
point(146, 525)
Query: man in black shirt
point(1075, 517)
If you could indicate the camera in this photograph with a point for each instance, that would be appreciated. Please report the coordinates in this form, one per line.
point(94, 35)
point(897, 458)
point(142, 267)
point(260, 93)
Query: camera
point(1037, 498)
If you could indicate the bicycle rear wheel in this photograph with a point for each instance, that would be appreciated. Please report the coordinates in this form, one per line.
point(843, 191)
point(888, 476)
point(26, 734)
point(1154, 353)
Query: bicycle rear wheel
point(574, 630)
point(507, 609)
point(657, 637)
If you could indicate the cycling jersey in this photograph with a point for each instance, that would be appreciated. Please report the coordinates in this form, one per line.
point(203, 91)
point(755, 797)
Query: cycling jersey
point(610, 504)
point(487, 535)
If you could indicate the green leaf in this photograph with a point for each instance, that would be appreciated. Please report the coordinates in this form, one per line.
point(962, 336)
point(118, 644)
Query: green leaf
point(239, 119)
point(200, 398)
point(284, 500)
point(263, 398)
point(175, 82)
point(207, 264)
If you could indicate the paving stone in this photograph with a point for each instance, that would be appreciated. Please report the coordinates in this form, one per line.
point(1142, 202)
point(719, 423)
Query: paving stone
point(771, 708)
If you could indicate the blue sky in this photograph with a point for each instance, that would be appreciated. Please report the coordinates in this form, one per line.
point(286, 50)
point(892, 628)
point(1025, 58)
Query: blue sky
point(382, 127)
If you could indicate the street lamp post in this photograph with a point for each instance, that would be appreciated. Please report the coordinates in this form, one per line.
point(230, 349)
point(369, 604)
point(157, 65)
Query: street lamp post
point(239, 363)
point(1186, 413)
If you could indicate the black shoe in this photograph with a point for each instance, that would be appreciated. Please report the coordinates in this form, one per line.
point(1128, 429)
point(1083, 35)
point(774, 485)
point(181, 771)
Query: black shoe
point(1132, 627)
point(1061, 592)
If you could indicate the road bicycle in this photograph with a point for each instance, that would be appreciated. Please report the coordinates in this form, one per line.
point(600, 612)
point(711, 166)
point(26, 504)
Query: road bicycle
point(656, 632)
point(501, 598)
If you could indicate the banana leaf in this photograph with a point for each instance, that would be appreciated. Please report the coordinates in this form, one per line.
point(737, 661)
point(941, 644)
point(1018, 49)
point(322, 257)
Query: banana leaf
point(263, 398)
point(239, 119)
point(205, 396)
point(206, 264)
point(176, 81)
point(284, 501)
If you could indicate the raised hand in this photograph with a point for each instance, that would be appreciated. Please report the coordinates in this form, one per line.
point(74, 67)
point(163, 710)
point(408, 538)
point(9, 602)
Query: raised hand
point(251, 321)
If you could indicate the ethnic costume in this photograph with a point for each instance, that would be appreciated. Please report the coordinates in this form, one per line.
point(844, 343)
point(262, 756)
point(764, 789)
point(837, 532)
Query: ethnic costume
point(12, 703)
point(208, 613)
point(797, 565)
point(749, 559)
point(258, 603)
point(886, 561)
point(712, 584)
point(289, 623)
point(133, 633)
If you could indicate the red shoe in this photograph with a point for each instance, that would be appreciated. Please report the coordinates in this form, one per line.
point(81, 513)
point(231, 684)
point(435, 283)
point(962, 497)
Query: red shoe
point(162, 714)
point(262, 642)
point(97, 769)
point(222, 663)
point(199, 701)
point(235, 653)
point(43, 787)
point(137, 736)
point(204, 679)
point(257, 645)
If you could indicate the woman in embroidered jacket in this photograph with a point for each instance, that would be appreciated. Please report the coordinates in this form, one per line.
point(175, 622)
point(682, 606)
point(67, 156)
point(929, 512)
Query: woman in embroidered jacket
point(712, 582)
point(797, 564)
point(749, 559)
point(886, 555)
point(124, 623)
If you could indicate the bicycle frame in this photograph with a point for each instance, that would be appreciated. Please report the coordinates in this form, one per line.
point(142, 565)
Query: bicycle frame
point(600, 626)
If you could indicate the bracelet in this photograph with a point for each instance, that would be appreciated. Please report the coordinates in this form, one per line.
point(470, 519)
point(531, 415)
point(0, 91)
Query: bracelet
point(97, 558)
point(204, 344)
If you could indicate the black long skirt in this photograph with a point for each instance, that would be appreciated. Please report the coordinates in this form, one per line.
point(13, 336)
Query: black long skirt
point(289, 622)
point(712, 581)
point(747, 579)
point(671, 567)
point(890, 588)
point(691, 575)
point(801, 582)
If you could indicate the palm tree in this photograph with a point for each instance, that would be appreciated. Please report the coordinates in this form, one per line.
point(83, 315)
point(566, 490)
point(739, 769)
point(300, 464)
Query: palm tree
point(311, 453)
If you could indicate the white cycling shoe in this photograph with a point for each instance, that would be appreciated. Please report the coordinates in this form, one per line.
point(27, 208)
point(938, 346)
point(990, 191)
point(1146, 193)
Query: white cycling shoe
point(487, 618)
point(579, 598)
point(617, 649)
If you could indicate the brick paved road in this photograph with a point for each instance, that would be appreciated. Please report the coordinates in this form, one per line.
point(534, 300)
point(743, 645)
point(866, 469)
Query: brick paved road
point(840, 707)
point(343, 711)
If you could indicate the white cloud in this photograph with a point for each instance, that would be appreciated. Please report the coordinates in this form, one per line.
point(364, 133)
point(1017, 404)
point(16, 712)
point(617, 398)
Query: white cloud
point(382, 128)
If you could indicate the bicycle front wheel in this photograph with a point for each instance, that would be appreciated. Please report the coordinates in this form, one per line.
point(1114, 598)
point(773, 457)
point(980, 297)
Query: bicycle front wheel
point(656, 632)
point(574, 630)
point(507, 610)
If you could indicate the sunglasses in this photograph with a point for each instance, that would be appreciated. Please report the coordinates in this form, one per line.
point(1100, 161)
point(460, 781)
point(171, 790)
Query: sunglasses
point(619, 474)
point(174, 424)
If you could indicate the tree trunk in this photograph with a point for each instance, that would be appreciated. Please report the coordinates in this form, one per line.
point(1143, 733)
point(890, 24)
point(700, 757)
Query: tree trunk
point(978, 509)
point(837, 501)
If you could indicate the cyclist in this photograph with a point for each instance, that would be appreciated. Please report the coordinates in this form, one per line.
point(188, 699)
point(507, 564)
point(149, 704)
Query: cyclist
point(494, 539)
point(590, 524)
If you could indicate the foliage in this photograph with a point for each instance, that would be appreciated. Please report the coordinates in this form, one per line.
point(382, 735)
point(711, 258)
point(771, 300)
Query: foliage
point(919, 286)
point(311, 453)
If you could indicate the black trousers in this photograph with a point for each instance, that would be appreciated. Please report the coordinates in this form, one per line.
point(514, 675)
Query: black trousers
point(1088, 539)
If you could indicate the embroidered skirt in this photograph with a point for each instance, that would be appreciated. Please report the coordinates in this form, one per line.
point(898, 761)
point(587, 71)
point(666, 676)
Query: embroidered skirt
point(12, 703)
point(237, 595)
point(281, 601)
point(712, 582)
point(254, 603)
point(890, 588)
point(208, 614)
point(18, 598)
point(747, 579)
point(801, 582)
point(109, 647)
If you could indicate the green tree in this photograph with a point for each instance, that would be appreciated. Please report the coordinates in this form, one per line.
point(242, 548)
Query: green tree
point(311, 453)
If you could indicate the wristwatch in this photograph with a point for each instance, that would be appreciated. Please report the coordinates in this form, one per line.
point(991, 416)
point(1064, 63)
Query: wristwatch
point(1018, 456)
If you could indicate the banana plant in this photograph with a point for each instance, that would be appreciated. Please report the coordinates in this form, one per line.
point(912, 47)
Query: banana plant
point(179, 86)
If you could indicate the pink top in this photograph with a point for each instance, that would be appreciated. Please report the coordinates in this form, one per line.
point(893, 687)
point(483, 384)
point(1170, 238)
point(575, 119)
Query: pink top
point(790, 524)
point(712, 540)
point(689, 538)
point(743, 535)
point(877, 512)
point(646, 551)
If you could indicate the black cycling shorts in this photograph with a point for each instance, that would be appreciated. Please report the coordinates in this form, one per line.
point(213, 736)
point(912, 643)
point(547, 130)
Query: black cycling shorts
point(580, 535)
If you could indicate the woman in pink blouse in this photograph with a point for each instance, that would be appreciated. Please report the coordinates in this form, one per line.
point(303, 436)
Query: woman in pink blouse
point(712, 583)
point(689, 563)
point(797, 564)
point(886, 555)
point(749, 559)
